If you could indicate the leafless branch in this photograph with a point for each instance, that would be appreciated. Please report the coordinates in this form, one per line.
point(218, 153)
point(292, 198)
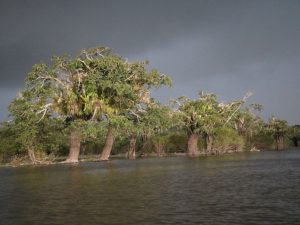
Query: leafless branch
point(248, 94)
point(95, 112)
point(52, 78)
point(44, 111)
point(86, 65)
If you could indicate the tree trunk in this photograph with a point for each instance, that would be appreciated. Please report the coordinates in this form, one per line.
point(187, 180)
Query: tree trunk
point(74, 151)
point(31, 155)
point(131, 150)
point(209, 143)
point(193, 145)
point(280, 143)
point(109, 141)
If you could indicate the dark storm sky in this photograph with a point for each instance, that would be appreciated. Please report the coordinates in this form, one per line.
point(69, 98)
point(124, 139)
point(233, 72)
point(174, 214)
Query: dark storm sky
point(226, 47)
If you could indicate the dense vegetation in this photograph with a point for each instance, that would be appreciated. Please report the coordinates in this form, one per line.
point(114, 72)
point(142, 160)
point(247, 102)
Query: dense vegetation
point(99, 104)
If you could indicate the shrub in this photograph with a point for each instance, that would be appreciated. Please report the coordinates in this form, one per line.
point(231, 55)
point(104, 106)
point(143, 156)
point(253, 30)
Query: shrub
point(261, 140)
point(226, 139)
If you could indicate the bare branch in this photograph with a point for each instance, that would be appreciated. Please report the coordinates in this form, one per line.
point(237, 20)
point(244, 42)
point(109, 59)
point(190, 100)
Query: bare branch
point(44, 111)
point(136, 115)
point(95, 112)
point(84, 63)
point(248, 94)
point(52, 78)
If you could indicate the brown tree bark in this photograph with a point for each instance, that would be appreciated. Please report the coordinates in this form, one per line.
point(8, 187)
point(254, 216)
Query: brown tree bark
point(209, 144)
point(31, 155)
point(74, 151)
point(280, 143)
point(193, 144)
point(109, 141)
point(131, 150)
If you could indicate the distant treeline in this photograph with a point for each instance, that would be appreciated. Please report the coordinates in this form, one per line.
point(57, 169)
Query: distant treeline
point(99, 103)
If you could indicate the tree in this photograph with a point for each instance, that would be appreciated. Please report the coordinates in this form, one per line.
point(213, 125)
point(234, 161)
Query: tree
point(226, 139)
point(278, 129)
point(294, 133)
point(249, 125)
point(202, 116)
point(199, 117)
point(157, 120)
point(145, 122)
point(126, 86)
point(8, 145)
point(31, 134)
point(246, 122)
point(94, 86)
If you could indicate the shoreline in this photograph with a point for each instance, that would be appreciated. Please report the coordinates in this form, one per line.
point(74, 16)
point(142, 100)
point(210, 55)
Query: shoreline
point(94, 158)
point(122, 156)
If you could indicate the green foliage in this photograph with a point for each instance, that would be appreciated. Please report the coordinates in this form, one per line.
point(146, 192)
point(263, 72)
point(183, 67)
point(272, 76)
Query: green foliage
point(261, 140)
point(121, 145)
point(205, 114)
point(277, 127)
point(90, 130)
point(156, 119)
point(94, 84)
point(160, 143)
point(177, 142)
point(295, 130)
point(8, 146)
point(148, 121)
point(294, 135)
point(89, 92)
point(26, 126)
point(31, 133)
point(246, 122)
point(227, 139)
point(97, 90)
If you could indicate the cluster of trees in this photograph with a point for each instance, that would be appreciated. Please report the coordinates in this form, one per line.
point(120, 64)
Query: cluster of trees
point(98, 101)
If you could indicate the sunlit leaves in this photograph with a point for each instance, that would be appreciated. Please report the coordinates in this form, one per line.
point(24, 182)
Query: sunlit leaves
point(89, 92)
point(204, 114)
point(93, 84)
point(277, 127)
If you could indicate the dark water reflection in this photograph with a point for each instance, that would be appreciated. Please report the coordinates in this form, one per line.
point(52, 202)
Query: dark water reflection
point(258, 188)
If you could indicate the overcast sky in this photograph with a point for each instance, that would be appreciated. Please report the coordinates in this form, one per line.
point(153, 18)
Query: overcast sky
point(226, 47)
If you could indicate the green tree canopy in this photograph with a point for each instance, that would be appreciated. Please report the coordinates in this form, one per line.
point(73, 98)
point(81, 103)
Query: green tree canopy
point(202, 116)
point(94, 85)
point(278, 129)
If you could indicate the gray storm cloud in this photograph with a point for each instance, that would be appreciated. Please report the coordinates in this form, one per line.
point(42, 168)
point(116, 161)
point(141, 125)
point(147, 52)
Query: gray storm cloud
point(226, 47)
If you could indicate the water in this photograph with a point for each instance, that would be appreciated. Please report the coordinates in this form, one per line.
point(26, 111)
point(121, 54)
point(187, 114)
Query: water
point(256, 188)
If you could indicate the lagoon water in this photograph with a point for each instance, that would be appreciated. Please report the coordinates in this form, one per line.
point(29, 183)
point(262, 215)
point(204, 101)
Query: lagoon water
point(250, 188)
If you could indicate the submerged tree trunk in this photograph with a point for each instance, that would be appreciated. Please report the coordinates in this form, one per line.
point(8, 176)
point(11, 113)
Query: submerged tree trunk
point(209, 143)
point(193, 144)
point(31, 155)
point(109, 141)
point(131, 150)
point(74, 151)
point(280, 143)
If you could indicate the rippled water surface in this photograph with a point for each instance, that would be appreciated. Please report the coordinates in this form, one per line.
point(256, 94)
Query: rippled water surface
point(257, 188)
